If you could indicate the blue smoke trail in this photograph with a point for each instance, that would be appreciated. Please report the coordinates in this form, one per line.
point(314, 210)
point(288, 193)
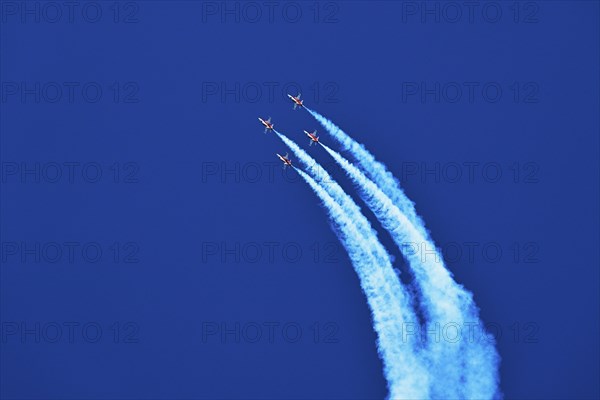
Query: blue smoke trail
point(404, 373)
point(463, 368)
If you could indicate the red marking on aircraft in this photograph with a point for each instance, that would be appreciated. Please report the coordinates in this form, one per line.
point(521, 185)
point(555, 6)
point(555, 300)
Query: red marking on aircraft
point(313, 137)
point(286, 161)
point(267, 124)
point(296, 100)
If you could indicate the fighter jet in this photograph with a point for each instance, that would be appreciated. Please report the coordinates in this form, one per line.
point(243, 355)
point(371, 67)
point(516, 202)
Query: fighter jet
point(286, 161)
point(267, 124)
point(313, 137)
point(296, 100)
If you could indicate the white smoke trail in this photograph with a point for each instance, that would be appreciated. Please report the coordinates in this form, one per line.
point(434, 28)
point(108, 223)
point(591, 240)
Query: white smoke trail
point(403, 304)
point(463, 368)
point(318, 173)
point(387, 183)
point(403, 371)
point(375, 170)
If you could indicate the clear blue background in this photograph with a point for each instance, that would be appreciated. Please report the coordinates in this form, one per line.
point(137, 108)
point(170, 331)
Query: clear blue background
point(358, 54)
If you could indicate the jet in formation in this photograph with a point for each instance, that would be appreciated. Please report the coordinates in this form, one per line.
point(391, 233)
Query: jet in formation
point(267, 124)
point(313, 137)
point(285, 159)
point(296, 100)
